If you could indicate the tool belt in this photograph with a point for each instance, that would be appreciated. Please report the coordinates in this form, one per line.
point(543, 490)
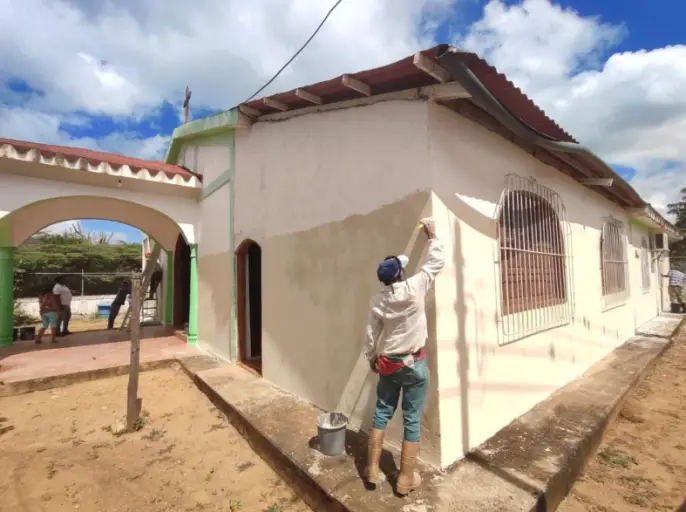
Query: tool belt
point(388, 367)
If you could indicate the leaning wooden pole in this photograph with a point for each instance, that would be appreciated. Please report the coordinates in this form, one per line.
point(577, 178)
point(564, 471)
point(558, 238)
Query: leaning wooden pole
point(133, 403)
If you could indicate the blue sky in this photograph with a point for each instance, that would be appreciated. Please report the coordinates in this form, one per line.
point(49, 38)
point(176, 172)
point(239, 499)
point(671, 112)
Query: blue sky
point(111, 76)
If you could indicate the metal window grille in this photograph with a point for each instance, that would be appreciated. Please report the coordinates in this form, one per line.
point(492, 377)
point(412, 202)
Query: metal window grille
point(534, 259)
point(614, 262)
point(645, 265)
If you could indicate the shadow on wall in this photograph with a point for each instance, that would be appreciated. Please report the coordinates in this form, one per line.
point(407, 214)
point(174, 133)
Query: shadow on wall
point(462, 212)
point(317, 286)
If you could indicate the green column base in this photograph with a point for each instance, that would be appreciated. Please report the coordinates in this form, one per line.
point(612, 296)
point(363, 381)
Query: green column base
point(6, 296)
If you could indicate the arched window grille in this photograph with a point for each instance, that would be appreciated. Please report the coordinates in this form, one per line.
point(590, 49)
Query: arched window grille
point(645, 264)
point(614, 262)
point(534, 260)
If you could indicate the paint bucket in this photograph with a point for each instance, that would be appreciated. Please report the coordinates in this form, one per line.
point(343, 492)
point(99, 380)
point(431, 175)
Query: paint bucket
point(104, 309)
point(332, 427)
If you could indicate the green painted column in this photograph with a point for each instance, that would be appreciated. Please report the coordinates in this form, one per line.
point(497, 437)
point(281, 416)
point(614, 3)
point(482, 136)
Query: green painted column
point(193, 302)
point(169, 290)
point(6, 295)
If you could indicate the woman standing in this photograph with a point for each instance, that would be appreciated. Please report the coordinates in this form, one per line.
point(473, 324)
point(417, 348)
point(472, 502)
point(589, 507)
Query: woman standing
point(49, 304)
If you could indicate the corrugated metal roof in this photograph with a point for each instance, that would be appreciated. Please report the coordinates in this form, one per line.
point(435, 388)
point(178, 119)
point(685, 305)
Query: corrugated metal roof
point(403, 75)
point(96, 161)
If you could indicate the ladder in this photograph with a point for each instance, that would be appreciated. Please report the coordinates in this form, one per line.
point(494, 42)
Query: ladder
point(145, 283)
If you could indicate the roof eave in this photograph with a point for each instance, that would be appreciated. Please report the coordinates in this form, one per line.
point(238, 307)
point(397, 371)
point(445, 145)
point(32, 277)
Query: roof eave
point(203, 128)
point(651, 217)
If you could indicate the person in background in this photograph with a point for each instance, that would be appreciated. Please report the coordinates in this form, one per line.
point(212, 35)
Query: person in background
point(155, 280)
point(396, 335)
point(49, 304)
point(117, 303)
point(676, 287)
point(65, 295)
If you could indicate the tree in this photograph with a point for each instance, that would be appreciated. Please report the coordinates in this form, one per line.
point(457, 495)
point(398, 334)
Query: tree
point(678, 210)
point(72, 252)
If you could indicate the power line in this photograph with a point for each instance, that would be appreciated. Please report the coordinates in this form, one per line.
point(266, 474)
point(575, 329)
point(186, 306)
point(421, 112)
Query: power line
point(296, 53)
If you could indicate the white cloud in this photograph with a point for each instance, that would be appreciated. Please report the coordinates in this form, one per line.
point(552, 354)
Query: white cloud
point(75, 226)
point(122, 58)
point(61, 228)
point(630, 108)
point(126, 56)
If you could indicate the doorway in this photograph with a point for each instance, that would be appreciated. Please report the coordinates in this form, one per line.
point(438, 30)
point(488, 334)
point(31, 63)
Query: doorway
point(182, 283)
point(249, 304)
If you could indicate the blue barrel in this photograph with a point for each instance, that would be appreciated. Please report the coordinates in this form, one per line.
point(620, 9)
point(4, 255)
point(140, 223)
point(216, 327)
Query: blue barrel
point(103, 309)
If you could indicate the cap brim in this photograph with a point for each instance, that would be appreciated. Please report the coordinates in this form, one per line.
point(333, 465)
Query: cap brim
point(404, 260)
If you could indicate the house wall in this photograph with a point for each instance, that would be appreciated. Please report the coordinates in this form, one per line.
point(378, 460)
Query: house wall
point(485, 384)
point(212, 157)
point(327, 196)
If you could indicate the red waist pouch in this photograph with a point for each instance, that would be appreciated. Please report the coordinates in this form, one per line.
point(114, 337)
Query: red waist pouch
point(388, 367)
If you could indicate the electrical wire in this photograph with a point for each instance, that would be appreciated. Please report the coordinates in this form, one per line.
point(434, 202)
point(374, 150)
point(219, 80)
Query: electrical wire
point(296, 53)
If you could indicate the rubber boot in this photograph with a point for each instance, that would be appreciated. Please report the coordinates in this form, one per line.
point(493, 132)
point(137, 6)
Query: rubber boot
point(408, 479)
point(374, 450)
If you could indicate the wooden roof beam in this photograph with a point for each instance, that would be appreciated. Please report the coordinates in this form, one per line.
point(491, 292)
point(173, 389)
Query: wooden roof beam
point(430, 67)
point(308, 96)
point(272, 103)
point(249, 111)
point(356, 85)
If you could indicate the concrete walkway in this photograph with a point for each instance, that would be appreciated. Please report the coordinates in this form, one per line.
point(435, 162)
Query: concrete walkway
point(529, 465)
point(25, 366)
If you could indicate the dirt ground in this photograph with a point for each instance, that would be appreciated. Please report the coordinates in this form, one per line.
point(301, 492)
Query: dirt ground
point(641, 462)
point(58, 453)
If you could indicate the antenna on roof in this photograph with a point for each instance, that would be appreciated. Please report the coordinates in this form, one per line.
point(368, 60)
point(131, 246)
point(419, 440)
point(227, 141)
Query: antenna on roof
point(186, 104)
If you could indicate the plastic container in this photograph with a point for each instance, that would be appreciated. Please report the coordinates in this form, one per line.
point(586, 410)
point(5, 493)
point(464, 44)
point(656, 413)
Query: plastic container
point(104, 309)
point(332, 427)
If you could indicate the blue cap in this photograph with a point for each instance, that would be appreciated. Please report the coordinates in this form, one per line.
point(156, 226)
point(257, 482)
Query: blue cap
point(389, 270)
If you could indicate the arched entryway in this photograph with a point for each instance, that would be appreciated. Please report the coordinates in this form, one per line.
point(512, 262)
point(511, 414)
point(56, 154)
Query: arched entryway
point(249, 304)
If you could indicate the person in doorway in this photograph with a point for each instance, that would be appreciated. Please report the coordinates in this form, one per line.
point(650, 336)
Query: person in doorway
point(65, 295)
point(155, 280)
point(117, 303)
point(49, 304)
point(396, 335)
point(676, 280)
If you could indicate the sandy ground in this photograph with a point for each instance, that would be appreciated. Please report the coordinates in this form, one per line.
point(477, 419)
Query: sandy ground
point(641, 462)
point(57, 453)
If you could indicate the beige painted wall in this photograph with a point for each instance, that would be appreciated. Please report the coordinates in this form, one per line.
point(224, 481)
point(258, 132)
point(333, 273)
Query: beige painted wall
point(208, 157)
point(327, 196)
point(211, 158)
point(483, 384)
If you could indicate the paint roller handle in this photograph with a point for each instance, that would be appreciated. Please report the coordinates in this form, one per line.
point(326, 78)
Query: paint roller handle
point(429, 227)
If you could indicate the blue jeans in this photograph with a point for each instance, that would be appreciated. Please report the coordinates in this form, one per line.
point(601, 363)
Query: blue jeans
point(414, 383)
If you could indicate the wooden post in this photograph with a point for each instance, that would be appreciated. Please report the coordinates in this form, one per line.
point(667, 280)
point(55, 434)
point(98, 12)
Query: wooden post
point(133, 403)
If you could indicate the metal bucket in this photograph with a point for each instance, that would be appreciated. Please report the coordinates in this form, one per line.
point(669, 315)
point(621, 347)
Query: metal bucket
point(331, 426)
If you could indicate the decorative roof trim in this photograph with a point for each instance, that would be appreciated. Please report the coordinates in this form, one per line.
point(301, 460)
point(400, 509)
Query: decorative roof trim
point(653, 217)
point(53, 156)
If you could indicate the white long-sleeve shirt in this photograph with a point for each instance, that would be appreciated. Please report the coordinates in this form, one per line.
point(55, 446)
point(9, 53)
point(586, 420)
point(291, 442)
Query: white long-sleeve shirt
point(397, 322)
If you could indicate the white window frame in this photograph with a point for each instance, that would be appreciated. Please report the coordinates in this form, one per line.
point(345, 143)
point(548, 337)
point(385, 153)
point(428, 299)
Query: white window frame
point(613, 239)
point(521, 320)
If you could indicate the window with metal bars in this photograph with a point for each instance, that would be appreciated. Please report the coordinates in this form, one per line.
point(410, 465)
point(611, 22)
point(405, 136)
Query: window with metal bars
point(534, 286)
point(614, 261)
point(645, 265)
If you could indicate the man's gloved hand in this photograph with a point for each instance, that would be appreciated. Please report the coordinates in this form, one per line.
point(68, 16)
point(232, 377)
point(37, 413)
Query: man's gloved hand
point(429, 226)
point(374, 365)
